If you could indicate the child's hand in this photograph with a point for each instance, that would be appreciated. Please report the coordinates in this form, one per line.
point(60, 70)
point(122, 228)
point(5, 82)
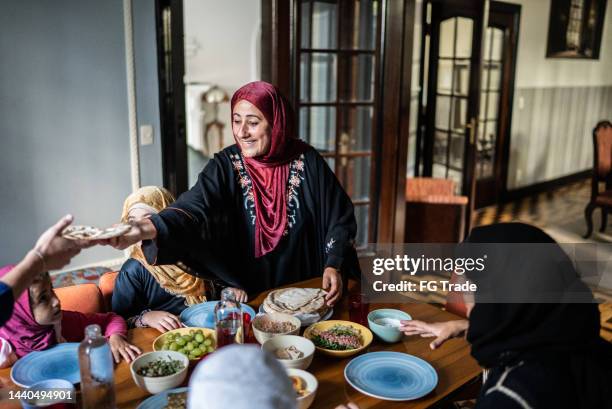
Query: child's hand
point(443, 331)
point(161, 320)
point(123, 349)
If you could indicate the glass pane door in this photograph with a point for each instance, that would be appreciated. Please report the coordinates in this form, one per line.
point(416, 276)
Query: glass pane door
point(338, 58)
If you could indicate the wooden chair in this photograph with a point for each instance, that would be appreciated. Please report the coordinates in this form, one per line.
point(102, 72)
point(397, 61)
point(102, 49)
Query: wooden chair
point(434, 214)
point(602, 172)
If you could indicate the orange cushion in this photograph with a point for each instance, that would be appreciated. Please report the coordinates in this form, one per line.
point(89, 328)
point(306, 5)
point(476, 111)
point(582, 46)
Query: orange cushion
point(107, 285)
point(85, 298)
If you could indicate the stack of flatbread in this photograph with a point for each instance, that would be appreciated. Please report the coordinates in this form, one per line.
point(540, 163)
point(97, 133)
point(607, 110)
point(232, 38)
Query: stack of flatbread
point(300, 302)
point(94, 233)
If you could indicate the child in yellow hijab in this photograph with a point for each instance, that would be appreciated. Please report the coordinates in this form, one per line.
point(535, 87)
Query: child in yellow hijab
point(149, 295)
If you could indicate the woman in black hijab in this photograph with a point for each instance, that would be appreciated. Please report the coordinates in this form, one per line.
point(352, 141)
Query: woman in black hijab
point(546, 352)
point(534, 324)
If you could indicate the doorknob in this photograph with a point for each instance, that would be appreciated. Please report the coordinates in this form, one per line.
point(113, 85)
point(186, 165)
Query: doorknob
point(472, 127)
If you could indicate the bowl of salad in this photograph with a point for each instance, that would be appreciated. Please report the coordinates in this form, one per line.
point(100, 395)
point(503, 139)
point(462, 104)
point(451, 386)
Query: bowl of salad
point(339, 338)
point(158, 371)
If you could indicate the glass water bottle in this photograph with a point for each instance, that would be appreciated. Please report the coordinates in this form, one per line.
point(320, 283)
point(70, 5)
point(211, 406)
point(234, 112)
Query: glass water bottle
point(96, 365)
point(228, 320)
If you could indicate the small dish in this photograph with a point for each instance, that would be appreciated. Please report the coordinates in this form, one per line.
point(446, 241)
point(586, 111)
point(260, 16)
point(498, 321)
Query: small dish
point(304, 402)
point(158, 384)
point(284, 341)
point(262, 336)
point(385, 323)
point(366, 337)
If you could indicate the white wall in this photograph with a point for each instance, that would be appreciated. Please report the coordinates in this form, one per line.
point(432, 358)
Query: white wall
point(535, 70)
point(222, 42)
point(557, 102)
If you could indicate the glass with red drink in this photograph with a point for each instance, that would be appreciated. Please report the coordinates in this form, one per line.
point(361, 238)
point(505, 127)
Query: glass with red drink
point(359, 307)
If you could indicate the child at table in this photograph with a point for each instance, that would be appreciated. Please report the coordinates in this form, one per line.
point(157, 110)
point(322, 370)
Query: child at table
point(39, 323)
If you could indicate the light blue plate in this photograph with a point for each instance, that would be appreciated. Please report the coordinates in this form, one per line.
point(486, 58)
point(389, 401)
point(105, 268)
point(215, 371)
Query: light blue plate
point(203, 315)
point(58, 362)
point(391, 376)
point(160, 400)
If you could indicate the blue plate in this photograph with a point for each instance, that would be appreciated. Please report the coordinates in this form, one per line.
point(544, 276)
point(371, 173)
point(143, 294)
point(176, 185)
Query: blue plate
point(58, 362)
point(391, 376)
point(203, 315)
point(160, 400)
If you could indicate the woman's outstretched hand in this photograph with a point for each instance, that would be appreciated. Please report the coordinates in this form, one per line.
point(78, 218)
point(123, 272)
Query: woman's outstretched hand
point(141, 230)
point(443, 331)
point(332, 283)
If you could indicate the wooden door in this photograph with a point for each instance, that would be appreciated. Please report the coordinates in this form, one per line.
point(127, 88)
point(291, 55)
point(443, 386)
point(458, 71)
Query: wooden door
point(497, 92)
point(452, 54)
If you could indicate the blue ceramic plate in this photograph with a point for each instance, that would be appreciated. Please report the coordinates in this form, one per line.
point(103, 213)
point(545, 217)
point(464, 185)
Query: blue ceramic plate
point(160, 400)
point(58, 362)
point(391, 376)
point(203, 315)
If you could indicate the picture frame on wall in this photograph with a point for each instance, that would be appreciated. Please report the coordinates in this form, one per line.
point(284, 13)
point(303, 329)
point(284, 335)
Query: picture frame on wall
point(575, 28)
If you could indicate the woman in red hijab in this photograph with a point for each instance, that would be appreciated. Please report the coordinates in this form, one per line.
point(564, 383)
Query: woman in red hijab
point(265, 212)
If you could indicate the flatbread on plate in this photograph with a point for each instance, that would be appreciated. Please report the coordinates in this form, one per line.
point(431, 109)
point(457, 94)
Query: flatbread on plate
point(94, 233)
point(296, 301)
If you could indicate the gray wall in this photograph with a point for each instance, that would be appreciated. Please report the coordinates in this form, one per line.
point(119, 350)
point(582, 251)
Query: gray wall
point(552, 131)
point(63, 116)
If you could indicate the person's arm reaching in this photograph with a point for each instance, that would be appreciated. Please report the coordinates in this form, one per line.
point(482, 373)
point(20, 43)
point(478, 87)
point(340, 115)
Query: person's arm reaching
point(443, 331)
point(51, 252)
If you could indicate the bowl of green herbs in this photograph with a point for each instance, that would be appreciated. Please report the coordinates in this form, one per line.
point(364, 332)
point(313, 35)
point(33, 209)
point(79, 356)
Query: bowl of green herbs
point(158, 371)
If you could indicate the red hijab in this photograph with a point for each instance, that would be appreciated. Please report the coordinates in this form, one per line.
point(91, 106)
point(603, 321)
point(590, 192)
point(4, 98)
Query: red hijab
point(269, 172)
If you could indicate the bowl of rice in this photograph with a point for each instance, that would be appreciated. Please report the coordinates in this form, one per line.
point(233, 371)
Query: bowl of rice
point(339, 338)
point(270, 325)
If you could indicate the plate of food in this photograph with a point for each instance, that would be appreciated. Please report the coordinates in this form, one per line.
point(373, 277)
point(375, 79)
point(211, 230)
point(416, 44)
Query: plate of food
point(170, 399)
point(79, 232)
point(195, 343)
point(58, 362)
point(339, 338)
point(203, 315)
point(306, 304)
point(391, 375)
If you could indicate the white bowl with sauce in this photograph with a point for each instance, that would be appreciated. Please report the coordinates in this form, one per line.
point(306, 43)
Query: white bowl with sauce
point(273, 345)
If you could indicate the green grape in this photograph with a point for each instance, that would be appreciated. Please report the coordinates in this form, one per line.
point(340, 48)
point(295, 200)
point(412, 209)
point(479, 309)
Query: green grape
point(166, 346)
point(207, 342)
point(173, 346)
point(199, 338)
point(187, 338)
point(169, 337)
point(189, 346)
point(183, 351)
point(196, 352)
point(209, 349)
point(181, 341)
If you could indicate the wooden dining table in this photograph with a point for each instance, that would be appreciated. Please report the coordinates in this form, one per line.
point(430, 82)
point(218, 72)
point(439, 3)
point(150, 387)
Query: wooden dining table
point(452, 362)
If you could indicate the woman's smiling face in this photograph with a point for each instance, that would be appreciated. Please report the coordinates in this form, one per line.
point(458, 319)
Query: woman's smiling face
point(251, 130)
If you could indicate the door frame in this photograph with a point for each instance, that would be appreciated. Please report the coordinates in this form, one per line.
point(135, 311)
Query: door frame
point(173, 133)
point(508, 87)
point(478, 11)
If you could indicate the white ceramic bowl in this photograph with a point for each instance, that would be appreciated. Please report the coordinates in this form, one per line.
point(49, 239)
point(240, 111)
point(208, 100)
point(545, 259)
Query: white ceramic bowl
point(263, 336)
point(284, 341)
point(304, 402)
point(155, 385)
